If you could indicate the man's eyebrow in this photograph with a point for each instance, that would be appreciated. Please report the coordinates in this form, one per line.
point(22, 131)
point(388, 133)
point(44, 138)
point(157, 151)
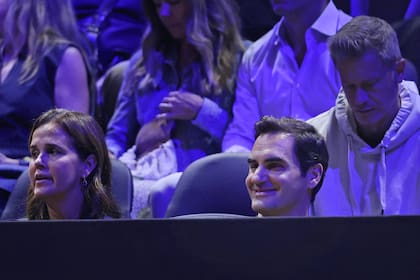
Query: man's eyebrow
point(274, 159)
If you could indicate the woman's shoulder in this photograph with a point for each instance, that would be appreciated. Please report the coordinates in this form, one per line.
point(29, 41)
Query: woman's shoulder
point(58, 50)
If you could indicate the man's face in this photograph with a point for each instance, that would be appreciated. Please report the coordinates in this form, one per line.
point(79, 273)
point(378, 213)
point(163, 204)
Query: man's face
point(371, 88)
point(274, 182)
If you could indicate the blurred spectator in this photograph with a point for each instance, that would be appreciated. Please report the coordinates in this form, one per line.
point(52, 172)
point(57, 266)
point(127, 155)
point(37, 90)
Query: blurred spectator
point(114, 27)
point(43, 65)
point(288, 71)
point(373, 131)
point(178, 89)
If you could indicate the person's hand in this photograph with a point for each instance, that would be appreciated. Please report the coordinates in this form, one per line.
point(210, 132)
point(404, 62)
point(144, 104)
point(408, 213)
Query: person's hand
point(6, 160)
point(180, 106)
point(151, 135)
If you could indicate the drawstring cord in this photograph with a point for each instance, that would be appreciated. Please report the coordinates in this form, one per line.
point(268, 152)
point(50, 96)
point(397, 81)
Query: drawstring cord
point(382, 177)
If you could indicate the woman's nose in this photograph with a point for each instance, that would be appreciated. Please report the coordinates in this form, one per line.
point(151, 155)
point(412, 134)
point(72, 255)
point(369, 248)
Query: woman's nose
point(39, 160)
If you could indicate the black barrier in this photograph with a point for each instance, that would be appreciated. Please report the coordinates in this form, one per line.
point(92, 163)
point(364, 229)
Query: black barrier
point(228, 248)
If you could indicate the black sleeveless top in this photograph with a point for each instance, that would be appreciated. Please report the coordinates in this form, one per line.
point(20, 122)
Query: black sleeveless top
point(22, 103)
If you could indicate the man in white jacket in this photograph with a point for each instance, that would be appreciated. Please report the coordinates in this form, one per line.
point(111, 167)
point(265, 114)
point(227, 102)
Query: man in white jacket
point(373, 132)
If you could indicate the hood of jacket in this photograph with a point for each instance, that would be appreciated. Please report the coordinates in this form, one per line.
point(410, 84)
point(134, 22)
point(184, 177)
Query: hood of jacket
point(404, 125)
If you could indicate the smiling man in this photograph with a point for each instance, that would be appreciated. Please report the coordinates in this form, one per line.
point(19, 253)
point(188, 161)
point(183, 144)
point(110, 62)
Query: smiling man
point(373, 132)
point(286, 167)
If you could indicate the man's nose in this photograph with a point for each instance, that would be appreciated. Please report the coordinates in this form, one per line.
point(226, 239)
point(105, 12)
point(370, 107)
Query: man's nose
point(360, 96)
point(259, 175)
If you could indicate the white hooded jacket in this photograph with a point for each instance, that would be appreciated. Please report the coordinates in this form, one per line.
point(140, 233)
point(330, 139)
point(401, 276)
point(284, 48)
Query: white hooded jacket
point(362, 180)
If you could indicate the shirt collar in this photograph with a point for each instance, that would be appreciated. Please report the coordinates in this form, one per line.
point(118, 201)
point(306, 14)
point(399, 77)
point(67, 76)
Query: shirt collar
point(322, 24)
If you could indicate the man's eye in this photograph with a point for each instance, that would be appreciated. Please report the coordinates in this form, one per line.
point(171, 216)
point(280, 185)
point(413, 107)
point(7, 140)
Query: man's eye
point(252, 165)
point(276, 166)
point(368, 86)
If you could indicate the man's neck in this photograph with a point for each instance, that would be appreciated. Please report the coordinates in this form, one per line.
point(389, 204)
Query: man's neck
point(373, 135)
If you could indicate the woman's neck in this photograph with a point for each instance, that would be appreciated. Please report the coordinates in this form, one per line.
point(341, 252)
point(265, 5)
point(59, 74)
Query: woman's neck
point(187, 54)
point(66, 208)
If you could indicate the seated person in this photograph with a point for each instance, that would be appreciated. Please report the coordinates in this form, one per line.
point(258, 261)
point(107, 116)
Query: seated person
point(373, 132)
point(70, 169)
point(288, 71)
point(286, 167)
point(42, 66)
point(176, 96)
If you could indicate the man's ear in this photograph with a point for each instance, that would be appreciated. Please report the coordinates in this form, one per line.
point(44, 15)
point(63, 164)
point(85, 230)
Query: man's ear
point(399, 68)
point(314, 175)
point(90, 164)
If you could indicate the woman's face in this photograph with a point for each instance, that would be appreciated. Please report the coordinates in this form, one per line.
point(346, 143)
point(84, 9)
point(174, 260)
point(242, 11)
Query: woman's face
point(55, 169)
point(174, 15)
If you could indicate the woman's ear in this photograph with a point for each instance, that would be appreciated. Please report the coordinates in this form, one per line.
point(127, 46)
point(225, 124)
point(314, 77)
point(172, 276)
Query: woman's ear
point(89, 164)
point(314, 175)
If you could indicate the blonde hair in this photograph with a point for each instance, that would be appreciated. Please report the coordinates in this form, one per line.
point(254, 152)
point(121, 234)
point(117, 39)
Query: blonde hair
point(213, 29)
point(33, 27)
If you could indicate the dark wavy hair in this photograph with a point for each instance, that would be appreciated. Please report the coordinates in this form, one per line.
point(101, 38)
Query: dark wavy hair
point(88, 139)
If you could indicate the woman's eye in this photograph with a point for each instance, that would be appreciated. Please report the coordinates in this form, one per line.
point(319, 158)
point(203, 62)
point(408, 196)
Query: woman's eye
point(53, 151)
point(34, 154)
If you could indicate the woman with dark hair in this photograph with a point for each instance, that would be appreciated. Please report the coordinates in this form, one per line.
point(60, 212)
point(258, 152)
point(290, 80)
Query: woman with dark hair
point(70, 169)
point(178, 87)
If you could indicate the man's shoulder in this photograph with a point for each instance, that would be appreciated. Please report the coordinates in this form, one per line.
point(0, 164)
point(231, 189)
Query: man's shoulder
point(323, 118)
point(261, 44)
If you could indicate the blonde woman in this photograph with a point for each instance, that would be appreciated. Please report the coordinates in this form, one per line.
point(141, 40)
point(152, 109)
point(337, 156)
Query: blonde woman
point(42, 66)
point(179, 85)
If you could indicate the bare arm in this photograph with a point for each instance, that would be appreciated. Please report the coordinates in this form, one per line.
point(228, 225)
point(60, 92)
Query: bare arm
point(71, 82)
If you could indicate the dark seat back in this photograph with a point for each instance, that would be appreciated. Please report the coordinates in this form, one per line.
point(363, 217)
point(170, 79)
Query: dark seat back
point(213, 184)
point(122, 190)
